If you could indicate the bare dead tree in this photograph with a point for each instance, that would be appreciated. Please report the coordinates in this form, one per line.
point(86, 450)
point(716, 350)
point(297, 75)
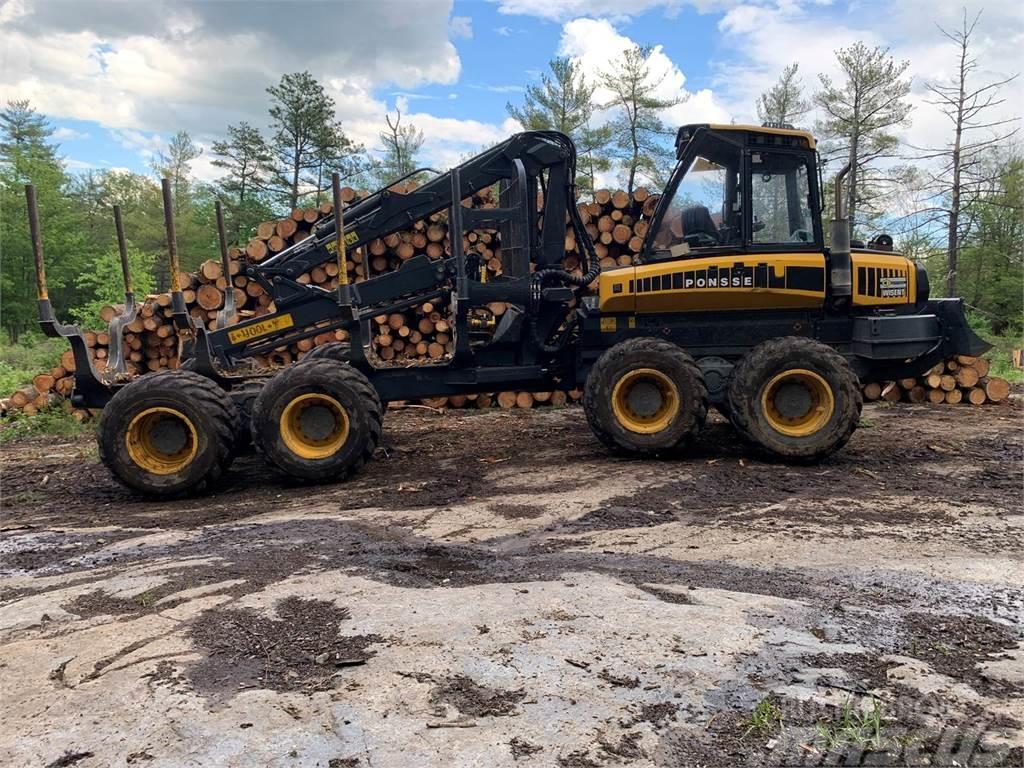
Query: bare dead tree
point(962, 176)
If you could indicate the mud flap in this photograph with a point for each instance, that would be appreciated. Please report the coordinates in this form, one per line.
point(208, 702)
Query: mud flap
point(958, 338)
point(889, 347)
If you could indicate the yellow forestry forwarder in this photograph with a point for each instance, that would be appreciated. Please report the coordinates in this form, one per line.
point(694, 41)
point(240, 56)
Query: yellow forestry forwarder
point(734, 301)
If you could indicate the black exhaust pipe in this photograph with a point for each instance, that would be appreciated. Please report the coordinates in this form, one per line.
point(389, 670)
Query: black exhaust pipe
point(841, 276)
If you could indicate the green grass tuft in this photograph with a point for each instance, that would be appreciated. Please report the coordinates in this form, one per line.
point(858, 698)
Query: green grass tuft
point(765, 719)
point(49, 421)
point(854, 727)
point(32, 355)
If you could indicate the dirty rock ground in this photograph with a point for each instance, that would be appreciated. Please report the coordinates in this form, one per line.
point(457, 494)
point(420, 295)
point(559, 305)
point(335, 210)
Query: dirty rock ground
point(495, 589)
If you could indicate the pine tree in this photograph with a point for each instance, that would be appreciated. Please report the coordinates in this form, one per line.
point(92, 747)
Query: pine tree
point(176, 165)
point(27, 156)
point(244, 156)
point(564, 101)
point(784, 102)
point(300, 110)
point(638, 133)
point(860, 114)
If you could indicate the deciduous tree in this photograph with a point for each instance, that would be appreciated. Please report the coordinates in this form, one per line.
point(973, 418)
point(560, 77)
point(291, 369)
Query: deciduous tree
point(962, 174)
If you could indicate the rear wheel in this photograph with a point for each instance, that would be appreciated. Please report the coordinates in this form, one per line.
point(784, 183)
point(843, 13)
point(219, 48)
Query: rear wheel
point(645, 396)
point(318, 421)
point(168, 433)
point(795, 397)
point(335, 350)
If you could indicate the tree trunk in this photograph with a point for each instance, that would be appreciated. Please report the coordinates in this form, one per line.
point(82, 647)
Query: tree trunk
point(953, 239)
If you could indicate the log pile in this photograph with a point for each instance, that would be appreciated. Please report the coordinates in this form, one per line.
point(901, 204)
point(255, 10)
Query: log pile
point(960, 379)
point(617, 223)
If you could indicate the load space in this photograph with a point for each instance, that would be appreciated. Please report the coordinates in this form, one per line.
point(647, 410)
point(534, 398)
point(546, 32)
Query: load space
point(718, 293)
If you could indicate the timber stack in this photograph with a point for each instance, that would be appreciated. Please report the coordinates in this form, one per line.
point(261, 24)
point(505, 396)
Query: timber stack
point(961, 379)
point(616, 221)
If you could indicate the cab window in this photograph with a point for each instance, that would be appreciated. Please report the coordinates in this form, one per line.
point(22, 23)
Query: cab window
point(780, 194)
point(705, 210)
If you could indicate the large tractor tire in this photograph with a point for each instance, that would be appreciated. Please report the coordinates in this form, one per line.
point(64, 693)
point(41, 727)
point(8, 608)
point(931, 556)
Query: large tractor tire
point(243, 395)
point(644, 397)
point(796, 398)
point(318, 421)
point(335, 350)
point(168, 434)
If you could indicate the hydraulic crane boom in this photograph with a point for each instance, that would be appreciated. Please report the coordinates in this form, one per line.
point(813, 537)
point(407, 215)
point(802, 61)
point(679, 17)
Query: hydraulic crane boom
point(526, 166)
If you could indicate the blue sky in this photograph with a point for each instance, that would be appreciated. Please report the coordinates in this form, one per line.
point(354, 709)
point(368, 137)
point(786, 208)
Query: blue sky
point(117, 79)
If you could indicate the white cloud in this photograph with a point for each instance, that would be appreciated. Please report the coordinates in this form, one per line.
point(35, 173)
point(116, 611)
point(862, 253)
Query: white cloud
point(595, 43)
point(773, 36)
point(144, 143)
point(503, 31)
point(499, 88)
point(561, 10)
point(78, 165)
point(200, 65)
point(461, 26)
point(64, 133)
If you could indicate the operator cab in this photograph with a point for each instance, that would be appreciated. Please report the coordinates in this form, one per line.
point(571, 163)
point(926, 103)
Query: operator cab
point(738, 189)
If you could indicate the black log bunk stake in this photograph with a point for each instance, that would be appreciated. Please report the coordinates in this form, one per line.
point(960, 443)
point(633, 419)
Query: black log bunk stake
point(89, 385)
point(182, 319)
point(117, 361)
point(227, 315)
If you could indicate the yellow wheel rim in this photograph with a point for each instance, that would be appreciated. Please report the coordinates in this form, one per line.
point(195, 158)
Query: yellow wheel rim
point(163, 441)
point(314, 426)
point(797, 402)
point(645, 401)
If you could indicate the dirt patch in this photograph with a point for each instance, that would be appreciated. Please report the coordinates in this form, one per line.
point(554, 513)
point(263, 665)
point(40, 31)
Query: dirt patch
point(300, 650)
point(667, 595)
point(866, 670)
point(627, 747)
point(577, 759)
point(517, 511)
point(617, 517)
point(100, 603)
point(658, 714)
point(475, 700)
point(23, 552)
point(523, 748)
point(68, 759)
point(619, 681)
point(955, 646)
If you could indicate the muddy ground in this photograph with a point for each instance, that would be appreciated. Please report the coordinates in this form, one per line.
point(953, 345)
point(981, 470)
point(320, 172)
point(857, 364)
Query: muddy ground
point(496, 590)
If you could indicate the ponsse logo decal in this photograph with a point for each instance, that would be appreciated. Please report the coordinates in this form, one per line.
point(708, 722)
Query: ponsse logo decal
point(793, 278)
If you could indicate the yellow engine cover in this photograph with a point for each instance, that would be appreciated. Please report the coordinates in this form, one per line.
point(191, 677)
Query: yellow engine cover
point(738, 281)
point(883, 279)
point(751, 281)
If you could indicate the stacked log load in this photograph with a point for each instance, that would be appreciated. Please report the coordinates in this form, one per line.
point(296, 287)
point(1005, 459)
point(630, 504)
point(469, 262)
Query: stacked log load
point(616, 221)
point(960, 379)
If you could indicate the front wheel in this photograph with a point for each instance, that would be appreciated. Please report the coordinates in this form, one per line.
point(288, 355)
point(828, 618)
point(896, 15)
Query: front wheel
point(796, 398)
point(318, 421)
point(645, 396)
